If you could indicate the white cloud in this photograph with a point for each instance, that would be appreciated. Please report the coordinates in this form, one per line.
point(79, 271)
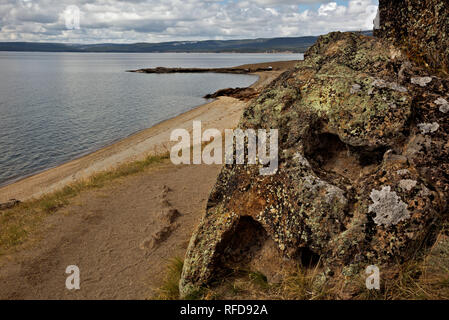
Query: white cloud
point(166, 20)
point(327, 9)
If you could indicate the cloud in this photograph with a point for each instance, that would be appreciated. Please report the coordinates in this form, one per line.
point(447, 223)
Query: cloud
point(328, 9)
point(278, 2)
point(166, 20)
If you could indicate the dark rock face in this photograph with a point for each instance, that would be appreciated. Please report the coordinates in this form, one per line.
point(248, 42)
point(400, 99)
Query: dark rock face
point(244, 94)
point(363, 167)
point(420, 26)
point(10, 204)
point(237, 70)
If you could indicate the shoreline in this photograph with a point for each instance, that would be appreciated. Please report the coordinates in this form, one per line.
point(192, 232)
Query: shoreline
point(88, 153)
point(222, 113)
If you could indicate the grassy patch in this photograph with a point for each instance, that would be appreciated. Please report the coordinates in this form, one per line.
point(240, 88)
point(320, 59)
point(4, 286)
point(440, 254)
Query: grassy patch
point(304, 284)
point(19, 222)
point(170, 288)
point(426, 279)
point(259, 279)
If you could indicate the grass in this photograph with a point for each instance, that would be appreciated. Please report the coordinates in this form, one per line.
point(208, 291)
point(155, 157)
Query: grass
point(259, 279)
point(427, 279)
point(170, 288)
point(19, 222)
point(240, 284)
point(409, 284)
point(304, 284)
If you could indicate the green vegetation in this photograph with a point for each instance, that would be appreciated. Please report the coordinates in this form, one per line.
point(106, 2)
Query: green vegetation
point(170, 288)
point(259, 279)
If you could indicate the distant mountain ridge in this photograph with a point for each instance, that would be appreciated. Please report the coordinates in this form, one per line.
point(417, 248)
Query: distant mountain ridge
point(286, 44)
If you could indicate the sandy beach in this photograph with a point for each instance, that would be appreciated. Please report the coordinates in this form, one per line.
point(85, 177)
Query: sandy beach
point(222, 113)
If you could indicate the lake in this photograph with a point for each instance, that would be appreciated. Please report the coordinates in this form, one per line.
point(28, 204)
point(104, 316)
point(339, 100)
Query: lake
point(55, 107)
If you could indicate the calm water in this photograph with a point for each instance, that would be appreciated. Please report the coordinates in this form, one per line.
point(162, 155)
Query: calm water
point(55, 107)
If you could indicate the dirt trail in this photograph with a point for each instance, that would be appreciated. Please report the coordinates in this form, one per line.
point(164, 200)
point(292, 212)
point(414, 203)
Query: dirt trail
point(106, 234)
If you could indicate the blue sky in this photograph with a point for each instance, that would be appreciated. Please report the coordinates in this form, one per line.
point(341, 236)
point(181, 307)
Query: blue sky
point(315, 6)
point(167, 20)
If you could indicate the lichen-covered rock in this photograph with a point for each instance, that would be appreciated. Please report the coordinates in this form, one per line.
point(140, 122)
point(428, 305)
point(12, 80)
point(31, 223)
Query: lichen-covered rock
point(422, 26)
point(350, 151)
point(389, 208)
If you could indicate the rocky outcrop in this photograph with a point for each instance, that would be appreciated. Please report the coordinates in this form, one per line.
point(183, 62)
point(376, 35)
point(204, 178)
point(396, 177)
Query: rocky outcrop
point(363, 162)
point(244, 94)
point(236, 70)
point(420, 26)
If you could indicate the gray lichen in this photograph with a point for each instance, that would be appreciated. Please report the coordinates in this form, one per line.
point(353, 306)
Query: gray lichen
point(301, 160)
point(379, 83)
point(407, 184)
point(425, 192)
point(388, 206)
point(355, 88)
point(428, 127)
point(403, 172)
point(332, 192)
point(444, 105)
point(421, 81)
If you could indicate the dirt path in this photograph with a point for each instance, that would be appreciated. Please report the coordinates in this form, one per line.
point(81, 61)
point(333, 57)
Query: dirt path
point(108, 234)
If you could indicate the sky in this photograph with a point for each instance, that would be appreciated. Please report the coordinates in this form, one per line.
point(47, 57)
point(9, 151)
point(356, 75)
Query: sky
point(120, 21)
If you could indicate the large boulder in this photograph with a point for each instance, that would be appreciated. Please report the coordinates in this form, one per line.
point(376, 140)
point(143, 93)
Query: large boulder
point(421, 26)
point(363, 168)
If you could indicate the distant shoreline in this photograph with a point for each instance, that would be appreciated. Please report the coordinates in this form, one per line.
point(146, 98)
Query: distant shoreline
point(279, 45)
point(261, 45)
point(174, 52)
point(221, 113)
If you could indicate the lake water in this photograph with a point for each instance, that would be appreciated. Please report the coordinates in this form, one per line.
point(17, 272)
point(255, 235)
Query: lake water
point(55, 107)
